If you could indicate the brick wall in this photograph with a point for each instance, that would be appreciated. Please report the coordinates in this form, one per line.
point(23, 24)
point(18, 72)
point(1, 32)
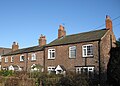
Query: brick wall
point(24, 64)
point(62, 56)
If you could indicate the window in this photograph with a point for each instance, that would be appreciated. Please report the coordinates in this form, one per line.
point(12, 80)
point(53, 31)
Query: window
point(87, 50)
point(72, 52)
point(12, 58)
point(51, 53)
point(22, 58)
point(85, 70)
point(6, 59)
point(33, 56)
point(51, 69)
point(0, 59)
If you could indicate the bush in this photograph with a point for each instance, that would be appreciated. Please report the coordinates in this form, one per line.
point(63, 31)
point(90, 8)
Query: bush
point(74, 80)
point(49, 79)
point(6, 72)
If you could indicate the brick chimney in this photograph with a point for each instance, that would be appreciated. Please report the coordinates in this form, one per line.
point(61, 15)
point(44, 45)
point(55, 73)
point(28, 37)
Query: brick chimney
point(15, 46)
point(61, 32)
point(42, 40)
point(108, 23)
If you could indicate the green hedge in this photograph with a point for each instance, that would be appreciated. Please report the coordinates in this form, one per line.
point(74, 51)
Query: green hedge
point(6, 73)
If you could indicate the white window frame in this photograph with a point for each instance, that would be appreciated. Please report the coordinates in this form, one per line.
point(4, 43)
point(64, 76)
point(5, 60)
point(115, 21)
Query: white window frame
point(6, 59)
point(72, 50)
point(12, 58)
point(78, 69)
point(33, 57)
point(21, 59)
point(50, 53)
point(0, 58)
point(85, 50)
point(51, 69)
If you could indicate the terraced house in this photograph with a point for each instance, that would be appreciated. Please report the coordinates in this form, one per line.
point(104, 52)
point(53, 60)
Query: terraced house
point(82, 52)
point(26, 58)
point(3, 51)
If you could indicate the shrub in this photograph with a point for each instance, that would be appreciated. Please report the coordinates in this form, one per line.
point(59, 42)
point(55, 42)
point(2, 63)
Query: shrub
point(73, 80)
point(6, 72)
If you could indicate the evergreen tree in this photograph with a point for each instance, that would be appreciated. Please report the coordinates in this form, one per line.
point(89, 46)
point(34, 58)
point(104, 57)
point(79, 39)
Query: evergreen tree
point(113, 71)
point(118, 42)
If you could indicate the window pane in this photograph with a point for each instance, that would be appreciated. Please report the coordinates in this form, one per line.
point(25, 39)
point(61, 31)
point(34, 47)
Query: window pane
point(84, 52)
point(12, 58)
point(51, 53)
point(22, 58)
point(87, 50)
point(72, 52)
point(33, 56)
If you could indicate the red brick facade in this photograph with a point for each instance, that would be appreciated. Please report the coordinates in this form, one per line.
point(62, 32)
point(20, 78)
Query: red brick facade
point(27, 63)
point(62, 54)
point(100, 54)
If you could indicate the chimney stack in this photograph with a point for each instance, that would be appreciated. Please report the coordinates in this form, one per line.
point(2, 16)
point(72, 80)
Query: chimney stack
point(108, 23)
point(61, 32)
point(15, 46)
point(42, 40)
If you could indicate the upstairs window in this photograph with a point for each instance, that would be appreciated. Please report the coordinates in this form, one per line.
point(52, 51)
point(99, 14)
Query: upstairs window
point(87, 50)
point(6, 59)
point(0, 59)
point(33, 57)
point(12, 58)
point(51, 53)
point(22, 58)
point(72, 52)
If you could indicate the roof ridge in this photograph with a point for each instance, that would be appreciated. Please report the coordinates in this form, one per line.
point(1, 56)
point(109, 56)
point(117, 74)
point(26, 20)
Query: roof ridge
point(28, 47)
point(79, 37)
point(25, 50)
point(85, 32)
point(4, 48)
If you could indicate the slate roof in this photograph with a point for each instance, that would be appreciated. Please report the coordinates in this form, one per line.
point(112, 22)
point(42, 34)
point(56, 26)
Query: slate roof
point(25, 50)
point(80, 37)
point(69, 39)
point(4, 50)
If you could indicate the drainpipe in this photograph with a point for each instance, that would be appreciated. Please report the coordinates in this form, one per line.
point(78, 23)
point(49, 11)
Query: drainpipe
point(26, 62)
point(3, 52)
point(44, 60)
point(110, 41)
point(99, 62)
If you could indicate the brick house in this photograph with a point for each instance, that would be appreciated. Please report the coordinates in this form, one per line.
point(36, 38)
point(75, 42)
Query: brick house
point(87, 51)
point(26, 58)
point(3, 51)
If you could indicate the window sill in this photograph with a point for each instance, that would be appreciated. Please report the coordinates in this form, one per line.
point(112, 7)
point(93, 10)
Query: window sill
point(88, 56)
point(6, 62)
point(72, 57)
point(51, 58)
point(33, 60)
point(21, 61)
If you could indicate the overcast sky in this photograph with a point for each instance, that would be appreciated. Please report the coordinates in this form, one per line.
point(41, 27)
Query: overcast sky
point(24, 20)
